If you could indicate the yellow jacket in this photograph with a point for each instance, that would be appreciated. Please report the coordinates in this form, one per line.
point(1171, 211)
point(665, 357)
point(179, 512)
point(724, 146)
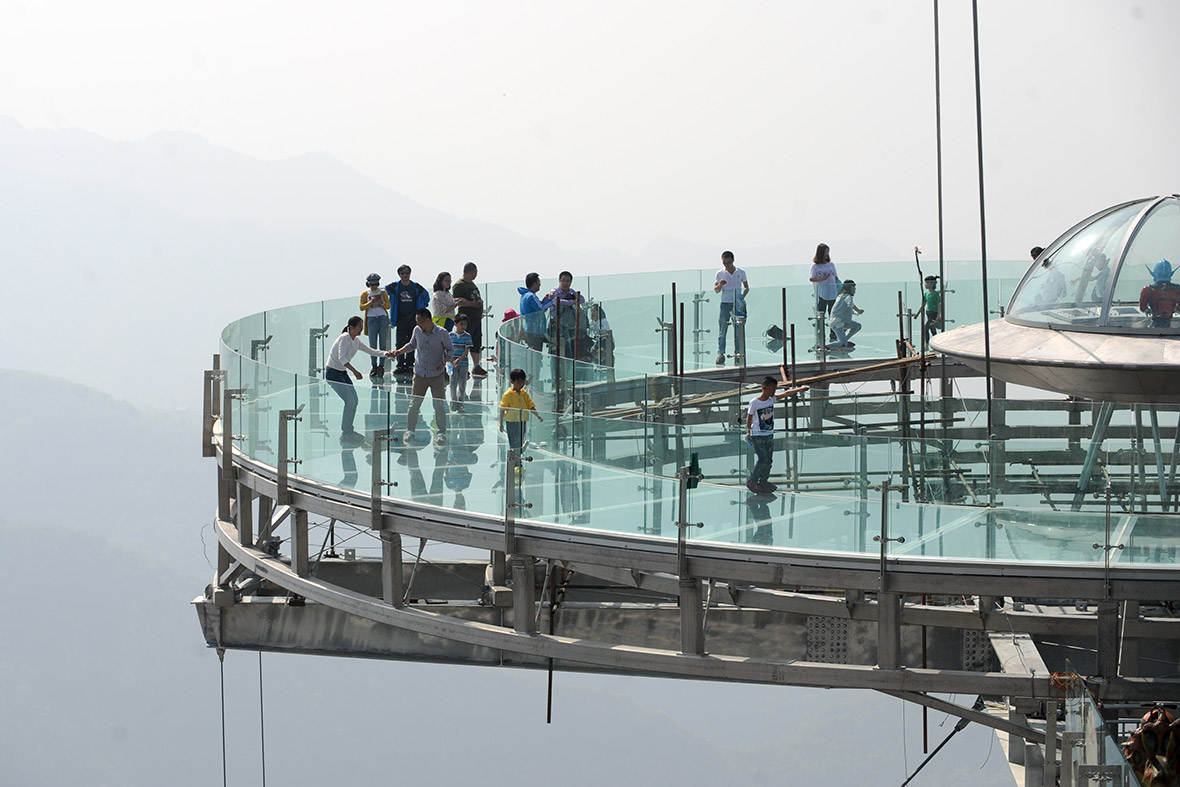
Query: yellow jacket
point(516, 405)
point(365, 305)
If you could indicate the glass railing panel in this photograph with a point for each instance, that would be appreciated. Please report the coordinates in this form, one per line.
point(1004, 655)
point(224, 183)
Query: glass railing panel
point(1091, 753)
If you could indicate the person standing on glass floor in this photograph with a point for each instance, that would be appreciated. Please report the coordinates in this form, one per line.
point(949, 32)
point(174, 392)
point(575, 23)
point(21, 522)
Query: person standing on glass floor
point(732, 285)
point(760, 437)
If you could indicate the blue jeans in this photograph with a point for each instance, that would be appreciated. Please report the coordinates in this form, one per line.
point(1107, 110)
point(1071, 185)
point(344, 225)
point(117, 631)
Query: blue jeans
point(379, 337)
point(763, 455)
point(515, 430)
point(844, 330)
point(343, 387)
point(724, 318)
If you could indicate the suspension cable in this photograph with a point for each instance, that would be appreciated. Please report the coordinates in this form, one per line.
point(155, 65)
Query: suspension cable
point(962, 723)
point(261, 721)
point(224, 770)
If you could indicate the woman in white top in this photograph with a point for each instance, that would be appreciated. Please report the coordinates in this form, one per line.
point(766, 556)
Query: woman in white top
point(823, 277)
point(442, 303)
point(375, 303)
point(347, 344)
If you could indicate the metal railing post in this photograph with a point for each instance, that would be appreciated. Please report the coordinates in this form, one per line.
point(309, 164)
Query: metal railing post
point(888, 604)
point(692, 628)
point(283, 496)
point(210, 410)
point(226, 476)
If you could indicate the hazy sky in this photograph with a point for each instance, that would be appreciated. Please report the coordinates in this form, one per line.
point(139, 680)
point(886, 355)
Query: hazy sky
point(610, 124)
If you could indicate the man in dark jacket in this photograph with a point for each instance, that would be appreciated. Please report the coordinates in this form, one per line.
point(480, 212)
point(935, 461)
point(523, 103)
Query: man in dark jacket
point(406, 297)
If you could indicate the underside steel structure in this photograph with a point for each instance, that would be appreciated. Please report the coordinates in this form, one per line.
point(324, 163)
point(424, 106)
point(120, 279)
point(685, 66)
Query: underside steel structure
point(908, 551)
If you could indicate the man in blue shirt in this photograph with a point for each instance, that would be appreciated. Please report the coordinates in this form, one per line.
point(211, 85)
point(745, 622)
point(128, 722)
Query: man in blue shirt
point(406, 297)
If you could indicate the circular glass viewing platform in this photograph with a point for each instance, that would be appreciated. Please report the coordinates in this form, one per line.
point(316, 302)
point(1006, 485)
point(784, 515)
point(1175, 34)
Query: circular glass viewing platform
point(617, 425)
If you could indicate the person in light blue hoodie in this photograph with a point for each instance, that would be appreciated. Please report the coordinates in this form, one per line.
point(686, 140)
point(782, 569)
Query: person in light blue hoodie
point(532, 309)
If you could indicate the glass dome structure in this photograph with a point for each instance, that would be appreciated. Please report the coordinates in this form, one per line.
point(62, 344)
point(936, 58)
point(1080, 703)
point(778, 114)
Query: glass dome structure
point(1093, 278)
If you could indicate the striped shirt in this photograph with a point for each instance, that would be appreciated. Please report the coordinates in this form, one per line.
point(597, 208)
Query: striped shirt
point(459, 343)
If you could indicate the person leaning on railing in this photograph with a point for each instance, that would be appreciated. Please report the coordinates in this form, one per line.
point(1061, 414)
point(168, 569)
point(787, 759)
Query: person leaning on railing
point(568, 318)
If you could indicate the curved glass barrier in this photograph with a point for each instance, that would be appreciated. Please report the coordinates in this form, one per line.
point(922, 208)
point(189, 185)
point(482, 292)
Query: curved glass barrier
point(605, 452)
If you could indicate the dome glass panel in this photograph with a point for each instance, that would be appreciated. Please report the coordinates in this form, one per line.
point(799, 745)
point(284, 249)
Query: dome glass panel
point(1092, 278)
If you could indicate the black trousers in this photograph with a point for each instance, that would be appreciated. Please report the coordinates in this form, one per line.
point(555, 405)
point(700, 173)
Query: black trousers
point(405, 329)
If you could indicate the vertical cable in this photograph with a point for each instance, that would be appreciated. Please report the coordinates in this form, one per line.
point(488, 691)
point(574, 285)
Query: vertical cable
point(261, 721)
point(224, 770)
point(938, 158)
point(987, 339)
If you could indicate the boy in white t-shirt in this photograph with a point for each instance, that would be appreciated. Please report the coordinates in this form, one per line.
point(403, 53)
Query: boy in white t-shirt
point(731, 284)
point(760, 436)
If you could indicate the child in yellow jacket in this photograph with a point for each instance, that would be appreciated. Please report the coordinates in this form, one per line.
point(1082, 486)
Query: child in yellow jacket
point(515, 406)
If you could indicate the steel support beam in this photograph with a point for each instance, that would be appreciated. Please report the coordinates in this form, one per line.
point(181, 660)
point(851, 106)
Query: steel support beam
point(618, 657)
point(979, 717)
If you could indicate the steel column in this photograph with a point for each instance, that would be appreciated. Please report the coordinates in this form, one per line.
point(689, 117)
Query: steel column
point(245, 515)
point(391, 568)
point(299, 547)
point(1049, 772)
point(524, 595)
point(1108, 639)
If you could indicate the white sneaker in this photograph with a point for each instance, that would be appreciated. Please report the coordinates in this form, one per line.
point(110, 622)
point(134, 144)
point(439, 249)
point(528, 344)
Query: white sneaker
point(408, 438)
point(440, 438)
